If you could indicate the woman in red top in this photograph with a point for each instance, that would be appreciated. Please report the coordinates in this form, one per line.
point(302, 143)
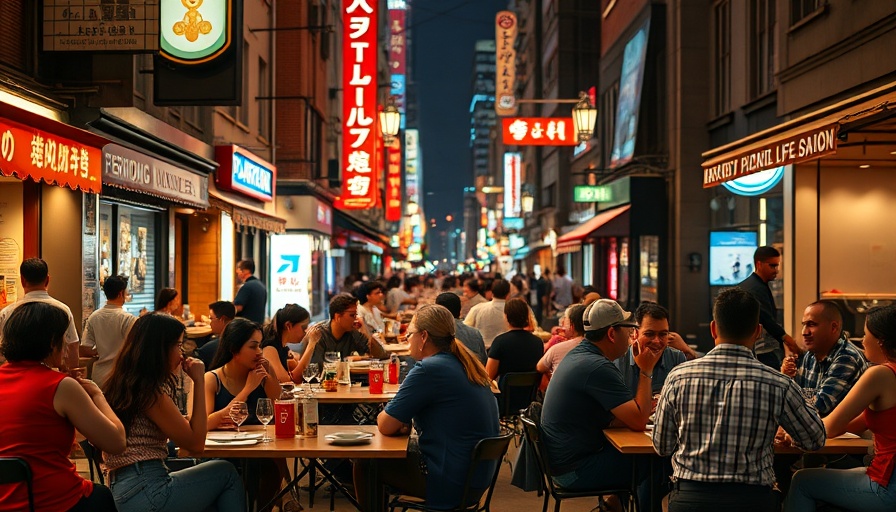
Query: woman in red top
point(870, 405)
point(41, 410)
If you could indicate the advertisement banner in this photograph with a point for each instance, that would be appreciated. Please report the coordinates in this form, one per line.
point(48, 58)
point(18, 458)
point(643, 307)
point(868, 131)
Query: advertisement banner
point(512, 198)
point(393, 181)
point(359, 109)
point(629, 97)
point(290, 270)
point(505, 63)
point(538, 131)
point(412, 179)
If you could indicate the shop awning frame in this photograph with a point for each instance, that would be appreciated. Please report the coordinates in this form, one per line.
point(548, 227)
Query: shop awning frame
point(244, 215)
point(572, 241)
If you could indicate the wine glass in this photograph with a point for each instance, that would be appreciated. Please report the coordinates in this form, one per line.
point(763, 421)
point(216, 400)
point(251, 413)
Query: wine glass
point(239, 411)
point(310, 373)
point(264, 410)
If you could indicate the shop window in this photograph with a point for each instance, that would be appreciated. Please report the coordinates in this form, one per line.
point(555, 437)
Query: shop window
point(623, 271)
point(264, 106)
point(800, 9)
point(587, 265)
point(129, 243)
point(650, 265)
point(722, 57)
point(762, 58)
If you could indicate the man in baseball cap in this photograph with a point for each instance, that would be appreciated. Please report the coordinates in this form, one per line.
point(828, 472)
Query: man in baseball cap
point(588, 394)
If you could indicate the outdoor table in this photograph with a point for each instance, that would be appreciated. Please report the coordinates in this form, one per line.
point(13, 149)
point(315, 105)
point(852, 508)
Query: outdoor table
point(346, 394)
point(629, 442)
point(313, 448)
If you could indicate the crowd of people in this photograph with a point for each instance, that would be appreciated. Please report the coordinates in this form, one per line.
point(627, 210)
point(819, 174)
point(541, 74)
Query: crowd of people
point(715, 417)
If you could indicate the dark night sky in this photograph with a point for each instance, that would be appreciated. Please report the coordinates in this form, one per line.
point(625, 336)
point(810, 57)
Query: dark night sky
point(445, 33)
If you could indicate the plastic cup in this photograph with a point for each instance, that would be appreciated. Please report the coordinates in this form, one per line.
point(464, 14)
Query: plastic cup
point(375, 377)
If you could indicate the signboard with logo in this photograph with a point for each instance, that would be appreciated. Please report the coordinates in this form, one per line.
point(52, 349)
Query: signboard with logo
point(411, 162)
point(29, 152)
point(398, 54)
point(505, 63)
point(512, 198)
point(291, 270)
point(592, 194)
point(125, 168)
point(393, 181)
point(100, 26)
point(359, 109)
point(243, 172)
point(756, 184)
point(538, 131)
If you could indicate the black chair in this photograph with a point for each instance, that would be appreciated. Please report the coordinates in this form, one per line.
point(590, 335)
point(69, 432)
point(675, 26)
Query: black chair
point(490, 449)
point(518, 390)
point(15, 470)
point(94, 458)
point(531, 425)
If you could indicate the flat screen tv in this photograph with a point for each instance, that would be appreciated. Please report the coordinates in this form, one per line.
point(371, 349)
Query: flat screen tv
point(731, 256)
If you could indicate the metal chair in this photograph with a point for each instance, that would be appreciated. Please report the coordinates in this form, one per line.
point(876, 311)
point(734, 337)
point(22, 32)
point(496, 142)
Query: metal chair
point(488, 450)
point(518, 390)
point(15, 470)
point(94, 459)
point(533, 437)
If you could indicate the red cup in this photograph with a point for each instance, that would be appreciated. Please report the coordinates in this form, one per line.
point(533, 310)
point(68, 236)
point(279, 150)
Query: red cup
point(284, 418)
point(375, 378)
point(393, 372)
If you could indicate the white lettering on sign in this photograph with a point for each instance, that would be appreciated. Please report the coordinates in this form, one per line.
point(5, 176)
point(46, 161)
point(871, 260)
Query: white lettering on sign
point(252, 174)
point(128, 169)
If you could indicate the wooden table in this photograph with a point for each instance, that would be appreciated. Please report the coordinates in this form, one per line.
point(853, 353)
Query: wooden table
point(199, 331)
point(314, 448)
point(346, 394)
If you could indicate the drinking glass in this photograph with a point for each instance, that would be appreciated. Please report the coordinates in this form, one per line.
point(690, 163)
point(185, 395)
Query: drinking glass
point(310, 373)
point(264, 410)
point(239, 411)
point(331, 357)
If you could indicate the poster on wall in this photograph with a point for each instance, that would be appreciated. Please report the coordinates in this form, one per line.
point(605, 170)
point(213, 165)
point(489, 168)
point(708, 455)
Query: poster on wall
point(105, 250)
point(290, 270)
point(138, 277)
point(124, 245)
point(10, 260)
point(731, 256)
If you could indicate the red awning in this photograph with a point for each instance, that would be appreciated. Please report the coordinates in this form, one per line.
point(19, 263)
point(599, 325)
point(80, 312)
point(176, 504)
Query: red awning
point(572, 241)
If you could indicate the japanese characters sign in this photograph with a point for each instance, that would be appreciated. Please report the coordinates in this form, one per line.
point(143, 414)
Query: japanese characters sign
point(242, 171)
point(397, 54)
point(101, 25)
point(359, 114)
point(411, 164)
point(538, 131)
point(393, 181)
point(505, 63)
point(29, 152)
point(512, 201)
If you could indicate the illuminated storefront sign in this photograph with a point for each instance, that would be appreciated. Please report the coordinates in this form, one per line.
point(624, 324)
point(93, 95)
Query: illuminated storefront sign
point(412, 179)
point(397, 54)
point(538, 131)
point(512, 198)
point(290, 265)
point(195, 32)
point(505, 63)
point(241, 171)
point(359, 189)
point(393, 181)
point(125, 168)
point(592, 194)
point(756, 184)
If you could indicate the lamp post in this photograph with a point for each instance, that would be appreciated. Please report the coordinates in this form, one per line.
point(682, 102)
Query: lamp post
point(390, 121)
point(584, 115)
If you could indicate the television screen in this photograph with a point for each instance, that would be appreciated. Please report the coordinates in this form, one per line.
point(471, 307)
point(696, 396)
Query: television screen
point(730, 256)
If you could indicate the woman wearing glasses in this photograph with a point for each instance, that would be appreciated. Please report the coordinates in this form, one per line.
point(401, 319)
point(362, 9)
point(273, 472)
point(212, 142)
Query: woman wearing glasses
point(289, 325)
point(447, 396)
point(138, 390)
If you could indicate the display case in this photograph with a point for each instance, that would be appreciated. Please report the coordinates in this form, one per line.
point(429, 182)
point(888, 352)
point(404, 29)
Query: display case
point(855, 307)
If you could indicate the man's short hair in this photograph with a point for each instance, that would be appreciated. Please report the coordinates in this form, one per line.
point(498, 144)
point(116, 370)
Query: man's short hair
point(223, 309)
point(341, 302)
point(34, 271)
point(451, 302)
point(829, 310)
point(576, 314)
point(473, 285)
point(651, 309)
point(500, 289)
point(765, 253)
point(517, 312)
point(246, 265)
point(113, 286)
point(367, 288)
point(736, 314)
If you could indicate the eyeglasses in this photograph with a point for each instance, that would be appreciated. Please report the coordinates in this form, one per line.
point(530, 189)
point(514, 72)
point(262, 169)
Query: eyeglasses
point(650, 335)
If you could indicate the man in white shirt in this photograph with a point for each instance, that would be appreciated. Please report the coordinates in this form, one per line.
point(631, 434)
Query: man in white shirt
point(107, 328)
point(35, 275)
point(488, 317)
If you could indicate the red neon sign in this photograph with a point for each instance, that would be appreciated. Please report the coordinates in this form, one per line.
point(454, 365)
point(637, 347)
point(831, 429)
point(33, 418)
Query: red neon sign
point(393, 181)
point(538, 131)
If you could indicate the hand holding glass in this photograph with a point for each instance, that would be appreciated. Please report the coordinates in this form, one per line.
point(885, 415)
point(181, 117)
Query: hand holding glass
point(239, 411)
point(264, 410)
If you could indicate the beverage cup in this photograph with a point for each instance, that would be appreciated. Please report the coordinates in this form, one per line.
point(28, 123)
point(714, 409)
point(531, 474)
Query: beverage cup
point(343, 373)
point(284, 418)
point(375, 377)
point(328, 378)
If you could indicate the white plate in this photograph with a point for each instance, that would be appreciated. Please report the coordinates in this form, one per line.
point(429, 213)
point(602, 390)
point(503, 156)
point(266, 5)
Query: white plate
point(348, 436)
point(847, 435)
point(359, 364)
point(235, 442)
point(234, 436)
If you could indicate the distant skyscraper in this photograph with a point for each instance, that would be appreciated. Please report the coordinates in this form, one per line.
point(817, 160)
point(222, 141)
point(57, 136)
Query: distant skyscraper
point(482, 104)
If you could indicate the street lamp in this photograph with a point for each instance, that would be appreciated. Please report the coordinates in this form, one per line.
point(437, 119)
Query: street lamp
point(390, 121)
point(527, 202)
point(584, 115)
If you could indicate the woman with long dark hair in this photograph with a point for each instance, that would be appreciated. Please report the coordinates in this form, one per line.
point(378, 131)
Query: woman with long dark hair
point(41, 410)
point(448, 397)
point(288, 325)
point(138, 390)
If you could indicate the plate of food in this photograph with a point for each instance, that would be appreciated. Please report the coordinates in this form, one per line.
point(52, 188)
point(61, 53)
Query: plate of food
point(218, 443)
point(233, 436)
point(349, 438)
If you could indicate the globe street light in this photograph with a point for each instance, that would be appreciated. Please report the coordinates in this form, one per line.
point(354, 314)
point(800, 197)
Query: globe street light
point(584, 115)
point(390, 121)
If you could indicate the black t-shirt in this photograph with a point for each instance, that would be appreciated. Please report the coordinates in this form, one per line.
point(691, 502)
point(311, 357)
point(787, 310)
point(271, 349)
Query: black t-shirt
point(282, 352)
point(517, 351)
point(253, 296)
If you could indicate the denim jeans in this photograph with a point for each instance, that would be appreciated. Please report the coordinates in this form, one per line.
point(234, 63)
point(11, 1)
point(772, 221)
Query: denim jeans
point(147, 486)
point(609, 469)
point(847, 488)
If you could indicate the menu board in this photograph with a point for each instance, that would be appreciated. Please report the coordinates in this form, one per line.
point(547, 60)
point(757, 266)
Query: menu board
point(10, 260)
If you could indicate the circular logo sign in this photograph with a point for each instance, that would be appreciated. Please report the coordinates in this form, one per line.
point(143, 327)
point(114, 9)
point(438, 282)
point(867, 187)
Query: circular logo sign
point(755, 184)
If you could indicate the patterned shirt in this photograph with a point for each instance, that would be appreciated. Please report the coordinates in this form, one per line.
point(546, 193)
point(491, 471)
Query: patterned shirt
point(718, 416)
point(833, 376)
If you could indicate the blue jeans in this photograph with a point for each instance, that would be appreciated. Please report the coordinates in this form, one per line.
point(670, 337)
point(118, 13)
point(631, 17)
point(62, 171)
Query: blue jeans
point(848, 488)
point(609, 469)
point(147, 486)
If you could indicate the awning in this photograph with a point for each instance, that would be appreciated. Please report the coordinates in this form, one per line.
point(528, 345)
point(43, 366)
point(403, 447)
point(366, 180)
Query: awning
point(802, 139)
point(572, 241)
point(246, 215)
point(353, 225)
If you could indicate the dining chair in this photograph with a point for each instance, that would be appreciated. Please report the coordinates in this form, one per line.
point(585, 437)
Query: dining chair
point(490, 450)
point(15, 470)
point(518, 390)
point(531, 425)
point(94, 459)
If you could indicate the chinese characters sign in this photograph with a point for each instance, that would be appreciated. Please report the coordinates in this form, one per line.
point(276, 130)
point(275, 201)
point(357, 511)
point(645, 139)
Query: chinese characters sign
point(359, 187)
point(393, 181)
point(28, 152)
point(538, 131)
point(512, 201)
point(101, 25)
point(505, 63)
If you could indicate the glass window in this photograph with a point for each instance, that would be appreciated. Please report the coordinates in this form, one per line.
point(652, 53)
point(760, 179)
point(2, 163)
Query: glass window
point(128, 241)
point(762, 58)
point(623, 271)
point(650, 264)
point(722, 69)
point(799, 9)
